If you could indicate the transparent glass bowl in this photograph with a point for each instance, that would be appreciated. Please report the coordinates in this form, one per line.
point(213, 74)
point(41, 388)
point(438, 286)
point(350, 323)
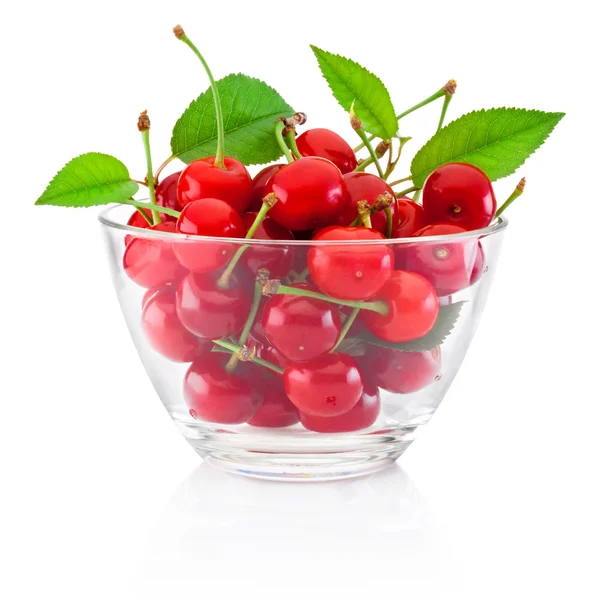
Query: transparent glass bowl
point(360, 406)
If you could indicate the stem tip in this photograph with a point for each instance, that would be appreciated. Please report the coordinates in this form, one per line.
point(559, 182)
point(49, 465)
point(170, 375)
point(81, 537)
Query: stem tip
point(521, 185)
point(450, 87)
point(270, 199)
point(178, 31)
point(270, 287)
point(382, 148)
point(143, 123)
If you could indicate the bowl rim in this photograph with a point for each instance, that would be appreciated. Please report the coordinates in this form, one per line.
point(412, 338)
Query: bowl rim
point(497, 225)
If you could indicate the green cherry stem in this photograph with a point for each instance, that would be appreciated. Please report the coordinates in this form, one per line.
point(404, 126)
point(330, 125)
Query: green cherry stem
point(274, 286)
point(403, 180)
point(392, 164)
point(364, 213)
point(417, 195)
point(390, 222)
point(235, 349)
point(290, 139)
point(145, 215)
point(301, 276)
point(279, 127)
point(345, 329)
point(144, 128)
point(356, 124)
point(518, 191)
point(363, 164)
point(412, 188)
point(163, 209)
point(220, 155)
point(160, 169)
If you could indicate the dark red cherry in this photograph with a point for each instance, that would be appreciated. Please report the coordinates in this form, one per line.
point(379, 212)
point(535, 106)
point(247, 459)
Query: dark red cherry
point(166, 194)
point(301, 328)
point(278, 259)
point(350, 272)
point(209, 311)
point(326, 386)
point(310, 191)
point(164, 330)
point(150, 261)
point(212, 218)
point(412, 308)
point(328, 144)
point(459, 193)
point(276, 409)
point(363, 414)
point(402, 372)
point(258, 186)
point(216, 395)
point(411, 218)
point(201, 179)
point(365, 186)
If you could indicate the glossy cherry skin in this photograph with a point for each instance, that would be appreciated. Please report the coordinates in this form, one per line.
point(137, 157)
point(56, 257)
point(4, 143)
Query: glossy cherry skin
point(479, 265)
point(151, 262)
point(363, 414)
point(350, 272)
point(328, 144)
point(212, 218)
point(201, 179)
point(310, 191)
point(402, 372)
point(258, 186)
point(214, 394)
point(412, 308)
point(326, 386)
point(166, 193)
point(276, 409)
point(459, 193)
point(448, 265)
point(278, 259)
point(209, 311)
point(301, 328)
point(365, 186)
point(164, 330)
point(411, 218)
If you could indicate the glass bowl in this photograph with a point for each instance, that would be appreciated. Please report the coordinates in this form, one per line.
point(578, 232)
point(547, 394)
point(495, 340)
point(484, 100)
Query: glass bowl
point(292, 402)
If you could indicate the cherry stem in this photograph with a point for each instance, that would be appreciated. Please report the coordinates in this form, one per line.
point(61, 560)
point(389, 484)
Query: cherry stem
point(364, 213)
point(363, 136)
point(145, 183)
point(417, 196)
point(273, 286)
point(346, 328)
point(447, 99)
point(279, 127)
point(268, 202)
point(220, 155)
point(409, 178)
point(290, 139)
point(363, 165)
point(390, 222)
point(235, 349)
point(145, 215)
point(301, 276)
point(518, 191)
point(160, 169)
point(392, 164)
point(144, 128)
point(163, 209)
point(412, 188)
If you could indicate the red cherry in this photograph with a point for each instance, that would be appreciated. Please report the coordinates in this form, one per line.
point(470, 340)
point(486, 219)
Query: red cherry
point(478, 265)
point(402, 372)
point(311, 191)
point(448, 265)
point(214, 394)
point(213, 218)
point(210, 311)
point(363, 414)
point(278, 259)
point(326, 386)
point(258, 186)
point(411, 218)
point(136, 220)
point(350, 272)
point(151, 262)
point(328, 144)
point(272, 355)
point(365, 186)
point(412, 308)
point(276, 409)
point(166, 194)
point(301, 328)
point(164, 330)
point(201, 179)
point(459, 193)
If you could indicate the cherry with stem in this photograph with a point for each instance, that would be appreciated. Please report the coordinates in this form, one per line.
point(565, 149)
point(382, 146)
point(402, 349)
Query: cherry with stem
point(517, 192)
point(144, 128)
point(145, 215)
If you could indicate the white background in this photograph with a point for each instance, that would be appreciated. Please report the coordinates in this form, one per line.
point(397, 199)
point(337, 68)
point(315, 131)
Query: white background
point(102, 498)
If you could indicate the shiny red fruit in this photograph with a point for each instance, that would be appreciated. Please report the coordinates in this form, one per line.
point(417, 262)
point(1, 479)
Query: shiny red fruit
point(278, 259)
point(310, 191)
point(211, 218)
point(363, 414)
point(166, 194)
point(164, 330)
point(201, 179)
point(301, 328)
point(151, 262)
point(411, 218)
point(258, 186)
point(216, 395)
point(402, 372)
point(350, 272)
point(365, 186)
point(326, 386)
point(328, 144)
point(459, 193)
point(276, 409)
point(209, 311)
point(412, 308)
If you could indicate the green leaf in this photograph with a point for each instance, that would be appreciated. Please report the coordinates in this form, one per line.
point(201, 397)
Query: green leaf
point(91, 179)
point(497, 140)
point(250, 109)
point(351, 83)
point(446, 320)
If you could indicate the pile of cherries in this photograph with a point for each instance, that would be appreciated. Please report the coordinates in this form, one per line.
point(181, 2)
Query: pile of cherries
point(261, 324)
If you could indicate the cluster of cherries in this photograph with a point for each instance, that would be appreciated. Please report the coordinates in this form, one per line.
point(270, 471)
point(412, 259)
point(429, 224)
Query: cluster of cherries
point(262, 324)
